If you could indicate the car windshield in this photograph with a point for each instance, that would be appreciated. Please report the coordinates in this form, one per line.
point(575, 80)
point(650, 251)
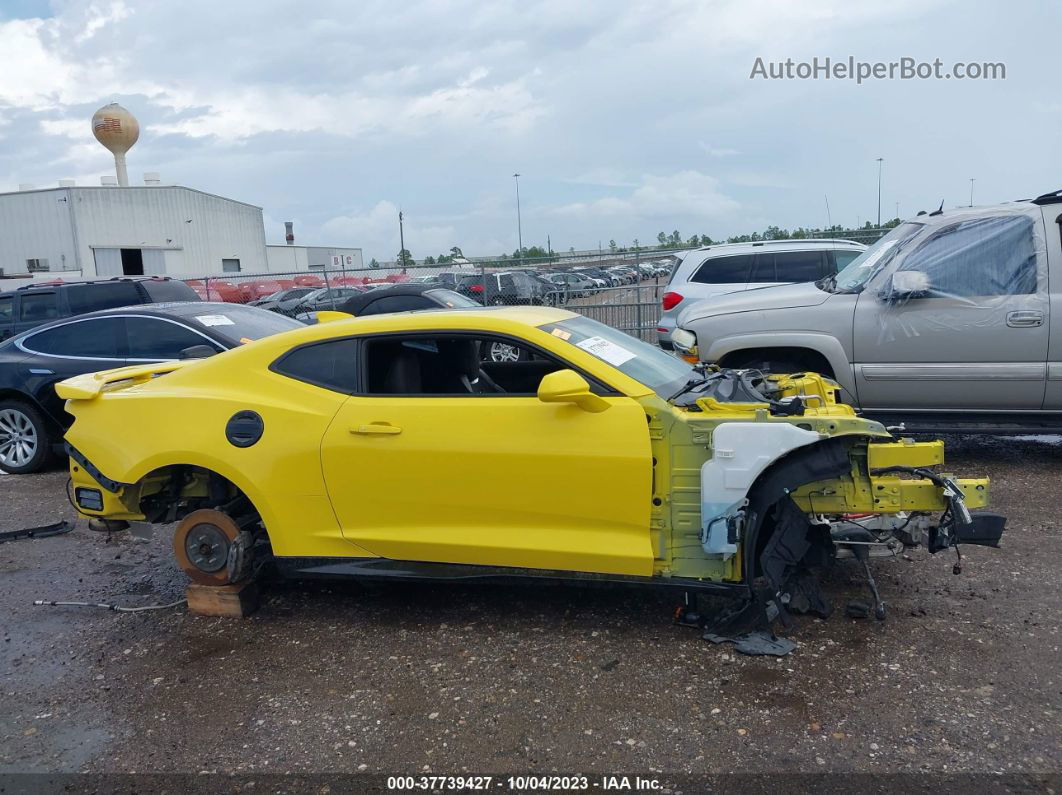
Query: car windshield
point(451, 299)
point(238, 324)
point(660, 371)
point(859, 270)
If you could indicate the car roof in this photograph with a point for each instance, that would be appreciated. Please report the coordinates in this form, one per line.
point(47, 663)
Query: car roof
point(170, 309)
point(59, 284)
point(356, 303)
point(807, 244)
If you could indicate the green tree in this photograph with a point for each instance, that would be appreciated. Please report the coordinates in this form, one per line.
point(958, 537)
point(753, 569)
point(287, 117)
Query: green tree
point(612, 246)
point(675, 239)
point(428, 261)
point(636, 245)
point(444, 259)
point(373, 263)
point(694, 241)
point(662, 238)
point(404, 258)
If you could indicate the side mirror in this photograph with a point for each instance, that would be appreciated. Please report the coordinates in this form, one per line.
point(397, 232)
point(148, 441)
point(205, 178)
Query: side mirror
point(567, 386)
point(197, 352)
point(905, 284)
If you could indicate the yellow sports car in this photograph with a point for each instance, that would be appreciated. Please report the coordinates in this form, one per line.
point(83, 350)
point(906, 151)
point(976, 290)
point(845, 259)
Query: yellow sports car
point(386, 446)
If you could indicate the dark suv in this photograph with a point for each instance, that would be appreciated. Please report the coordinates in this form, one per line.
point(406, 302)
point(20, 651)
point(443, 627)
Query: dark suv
point(501, 288)
point(35, 304)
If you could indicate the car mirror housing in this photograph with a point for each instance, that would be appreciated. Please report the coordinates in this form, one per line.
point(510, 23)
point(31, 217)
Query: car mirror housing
point(198, 352)
point(567, 386)
point(906, 284)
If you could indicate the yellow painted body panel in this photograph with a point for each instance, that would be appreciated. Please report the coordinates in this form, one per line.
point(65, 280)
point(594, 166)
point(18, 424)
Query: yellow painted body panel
point(494, 481)
point(502, 481)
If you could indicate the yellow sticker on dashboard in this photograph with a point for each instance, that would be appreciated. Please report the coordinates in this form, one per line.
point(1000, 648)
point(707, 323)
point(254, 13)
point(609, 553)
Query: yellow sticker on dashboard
point(564, 335)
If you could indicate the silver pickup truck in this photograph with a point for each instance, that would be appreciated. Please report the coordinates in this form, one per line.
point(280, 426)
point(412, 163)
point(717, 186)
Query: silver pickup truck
point(944, 324)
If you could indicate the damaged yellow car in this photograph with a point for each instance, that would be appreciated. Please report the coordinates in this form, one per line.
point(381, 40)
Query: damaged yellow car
point(388, 447)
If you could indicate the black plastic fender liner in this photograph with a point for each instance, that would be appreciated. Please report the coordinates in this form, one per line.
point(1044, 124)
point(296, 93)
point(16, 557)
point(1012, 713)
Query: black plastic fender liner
point(821, 461)
point(57, 529)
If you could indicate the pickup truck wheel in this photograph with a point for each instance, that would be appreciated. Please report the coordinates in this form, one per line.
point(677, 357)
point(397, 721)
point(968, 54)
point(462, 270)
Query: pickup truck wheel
point(25, 438)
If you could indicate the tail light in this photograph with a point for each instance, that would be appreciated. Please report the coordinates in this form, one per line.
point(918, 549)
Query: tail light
point(476, 288)
point(670, 300)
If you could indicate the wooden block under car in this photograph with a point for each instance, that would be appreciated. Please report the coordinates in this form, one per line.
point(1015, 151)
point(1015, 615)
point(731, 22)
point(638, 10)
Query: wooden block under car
point(232, 601)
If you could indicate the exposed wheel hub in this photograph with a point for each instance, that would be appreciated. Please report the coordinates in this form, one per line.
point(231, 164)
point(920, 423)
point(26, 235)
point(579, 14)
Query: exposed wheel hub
point(207, 547)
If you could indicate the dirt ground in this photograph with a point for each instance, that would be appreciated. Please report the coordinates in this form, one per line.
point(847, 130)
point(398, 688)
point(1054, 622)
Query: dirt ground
point(964, 676)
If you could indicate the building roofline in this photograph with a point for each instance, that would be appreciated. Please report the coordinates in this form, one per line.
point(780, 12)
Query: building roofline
point(128, 187)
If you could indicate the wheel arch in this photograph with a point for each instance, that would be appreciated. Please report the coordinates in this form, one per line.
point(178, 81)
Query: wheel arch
point(818, 347)
point(211, 468)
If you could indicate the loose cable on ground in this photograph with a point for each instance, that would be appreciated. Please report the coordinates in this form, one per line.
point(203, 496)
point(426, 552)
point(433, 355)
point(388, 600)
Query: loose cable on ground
point(104, 606)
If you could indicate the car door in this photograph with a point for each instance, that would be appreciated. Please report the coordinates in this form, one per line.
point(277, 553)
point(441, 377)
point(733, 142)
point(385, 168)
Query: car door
point(65, 350)
point(422, 472)
point(975, 339)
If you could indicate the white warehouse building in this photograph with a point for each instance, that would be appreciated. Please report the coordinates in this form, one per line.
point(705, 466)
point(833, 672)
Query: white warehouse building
point(86, 232)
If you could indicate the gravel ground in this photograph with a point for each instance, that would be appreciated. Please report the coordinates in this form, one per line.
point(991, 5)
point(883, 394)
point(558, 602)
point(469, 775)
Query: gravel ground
point(964, 676)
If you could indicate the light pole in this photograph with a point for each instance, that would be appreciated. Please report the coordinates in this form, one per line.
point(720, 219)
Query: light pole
point(401, 242)
point(972, 180)
point(880, 161)
point(519, 223)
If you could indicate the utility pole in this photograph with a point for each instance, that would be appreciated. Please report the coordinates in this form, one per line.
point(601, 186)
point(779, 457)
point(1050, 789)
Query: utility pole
point(880, 161)
point(972, 179)
point(519, 223)
point(549, 249)
point(401, 242)
point(897, 210)
point(829, 222)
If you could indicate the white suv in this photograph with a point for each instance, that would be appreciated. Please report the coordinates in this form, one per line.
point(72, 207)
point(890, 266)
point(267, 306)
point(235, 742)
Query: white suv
point(717, 270)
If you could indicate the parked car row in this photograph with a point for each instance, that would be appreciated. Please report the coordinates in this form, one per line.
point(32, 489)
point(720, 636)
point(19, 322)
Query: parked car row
point(543, 286)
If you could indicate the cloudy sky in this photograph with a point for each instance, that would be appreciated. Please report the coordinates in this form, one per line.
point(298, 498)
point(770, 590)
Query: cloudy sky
point(624, 119)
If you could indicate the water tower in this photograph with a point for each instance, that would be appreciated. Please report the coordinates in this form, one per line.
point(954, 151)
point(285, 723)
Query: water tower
point(117, 129)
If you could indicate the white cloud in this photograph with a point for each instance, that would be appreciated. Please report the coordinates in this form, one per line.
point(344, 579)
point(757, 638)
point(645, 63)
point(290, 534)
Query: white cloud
point(687, 194)
point(377, 230)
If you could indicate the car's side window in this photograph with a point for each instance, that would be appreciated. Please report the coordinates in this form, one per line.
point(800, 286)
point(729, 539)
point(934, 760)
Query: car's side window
point(724, 270)
point(396, 303)
point(98, 338)
point(7, 308)
point(38, 307)
point(981, 257)
point(330, 365)
point(798, 266)
point(456, 365)
point(763, 269)
point(92, 297)
point(841, 259)
point(154, 338)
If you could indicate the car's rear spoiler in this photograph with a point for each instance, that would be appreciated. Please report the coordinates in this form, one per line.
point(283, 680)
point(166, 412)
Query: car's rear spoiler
point(89, 386)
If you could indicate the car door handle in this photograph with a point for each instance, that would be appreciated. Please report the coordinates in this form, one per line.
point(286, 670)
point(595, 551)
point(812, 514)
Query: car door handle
point(377, 428)
point(1025, 319)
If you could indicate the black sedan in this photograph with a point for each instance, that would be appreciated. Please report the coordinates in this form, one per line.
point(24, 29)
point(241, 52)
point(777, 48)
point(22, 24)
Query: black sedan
point(406, 297)
point(32, 417)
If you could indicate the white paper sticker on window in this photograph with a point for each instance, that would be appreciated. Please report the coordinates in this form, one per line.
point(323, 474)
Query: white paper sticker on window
point(606, 350)
point(214, 320)
point(872, 260)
